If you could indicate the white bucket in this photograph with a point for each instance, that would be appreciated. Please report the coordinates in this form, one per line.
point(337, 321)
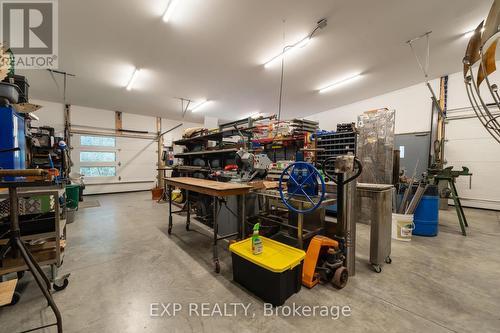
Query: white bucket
point(402, 227)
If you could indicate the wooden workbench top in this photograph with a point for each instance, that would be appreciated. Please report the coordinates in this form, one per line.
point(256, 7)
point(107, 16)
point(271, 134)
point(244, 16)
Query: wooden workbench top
point(208, 187)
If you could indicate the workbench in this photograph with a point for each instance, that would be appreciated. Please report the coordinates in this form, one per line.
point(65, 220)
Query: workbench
point(270, 215)
point(214, 189)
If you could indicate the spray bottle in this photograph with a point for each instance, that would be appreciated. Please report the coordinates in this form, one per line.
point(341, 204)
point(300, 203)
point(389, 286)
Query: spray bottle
point(256, 240)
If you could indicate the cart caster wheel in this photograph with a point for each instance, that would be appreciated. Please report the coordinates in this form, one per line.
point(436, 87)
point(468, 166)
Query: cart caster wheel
point(187, 228)
point(388, 260)
point(169, 230)
point(20, 275)
point(58, 287)
point(217, 267)
point(340, 278)
point(377, 268)
point(15, 298)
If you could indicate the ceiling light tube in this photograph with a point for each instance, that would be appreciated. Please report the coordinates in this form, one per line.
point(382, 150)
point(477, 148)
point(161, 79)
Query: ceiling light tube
point(133, 79)
point(300, 44)
point(200, 105)
point(339, 83)
point(170, 10)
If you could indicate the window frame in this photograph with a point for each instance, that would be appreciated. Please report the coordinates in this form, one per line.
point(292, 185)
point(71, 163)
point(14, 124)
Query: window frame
point(97, 166)
point(77, 163)
point(97, 136)
point(95, 151)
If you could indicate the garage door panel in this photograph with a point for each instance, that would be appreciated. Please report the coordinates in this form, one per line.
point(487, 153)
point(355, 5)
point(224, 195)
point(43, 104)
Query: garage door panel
point(464, 129)
point(135, 144)
point(469, 144)
point(135, 165)
point(472, 150)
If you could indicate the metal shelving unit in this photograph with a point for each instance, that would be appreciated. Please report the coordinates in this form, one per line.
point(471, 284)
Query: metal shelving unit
point(335, 144)
point(57, 236)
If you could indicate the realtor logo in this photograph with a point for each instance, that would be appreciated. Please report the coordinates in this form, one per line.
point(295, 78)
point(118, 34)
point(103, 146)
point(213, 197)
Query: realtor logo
point(29, 29)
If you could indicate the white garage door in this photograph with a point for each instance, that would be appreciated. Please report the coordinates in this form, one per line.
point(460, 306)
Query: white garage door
point(469, 144)
point(114, 164)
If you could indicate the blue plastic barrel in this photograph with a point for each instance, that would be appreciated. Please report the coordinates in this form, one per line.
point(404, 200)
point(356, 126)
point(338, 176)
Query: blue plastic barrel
point(426, 217)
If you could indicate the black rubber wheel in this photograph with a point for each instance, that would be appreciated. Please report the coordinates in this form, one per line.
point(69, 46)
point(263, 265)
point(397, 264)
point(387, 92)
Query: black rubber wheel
point(20, 275)
point(388, 260)
point(62, 287)
point(217, 267)
point(187, 227)
point(377, 268)
point(169, 230)
point(15, 298)
point(340, 278)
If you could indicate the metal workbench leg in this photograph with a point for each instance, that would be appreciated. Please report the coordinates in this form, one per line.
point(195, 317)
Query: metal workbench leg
point(40, 271)
point(170, 209)
point(458, 208)
point(35, 268)
point(300, 224)
point(243, 216)
point(216, 233)
point(460, 205)
point(38, 274)
point(188, 208)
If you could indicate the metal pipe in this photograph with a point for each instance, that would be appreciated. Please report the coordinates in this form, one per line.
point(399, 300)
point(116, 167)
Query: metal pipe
point(23, 173)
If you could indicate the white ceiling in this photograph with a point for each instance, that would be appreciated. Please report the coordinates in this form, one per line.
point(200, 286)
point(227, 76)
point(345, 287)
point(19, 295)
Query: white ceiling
point(214, 49)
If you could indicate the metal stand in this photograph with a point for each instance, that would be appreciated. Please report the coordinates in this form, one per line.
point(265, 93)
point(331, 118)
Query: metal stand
point(216, 236)
point(380, 197)
point(15, 243)
point(449, 176)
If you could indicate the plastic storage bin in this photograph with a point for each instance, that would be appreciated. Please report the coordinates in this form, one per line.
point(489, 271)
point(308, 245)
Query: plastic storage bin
point(274, 275)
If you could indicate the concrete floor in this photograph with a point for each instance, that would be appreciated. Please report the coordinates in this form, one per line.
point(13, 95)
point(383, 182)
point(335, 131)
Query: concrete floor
point(121, 260)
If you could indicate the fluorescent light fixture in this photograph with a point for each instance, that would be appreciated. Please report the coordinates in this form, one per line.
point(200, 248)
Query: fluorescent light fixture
point(170, 10)
point(298, 45)
point(130, 84)
point(198, 107)
point(339, 83)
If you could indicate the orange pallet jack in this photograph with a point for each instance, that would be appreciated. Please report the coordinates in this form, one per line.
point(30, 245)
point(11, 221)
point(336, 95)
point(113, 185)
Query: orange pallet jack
point(324, 261)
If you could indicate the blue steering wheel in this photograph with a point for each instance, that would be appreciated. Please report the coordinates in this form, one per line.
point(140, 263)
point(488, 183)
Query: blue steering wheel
point(300, 184)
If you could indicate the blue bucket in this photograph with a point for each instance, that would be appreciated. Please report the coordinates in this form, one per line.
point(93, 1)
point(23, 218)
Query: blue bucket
point(426, 217)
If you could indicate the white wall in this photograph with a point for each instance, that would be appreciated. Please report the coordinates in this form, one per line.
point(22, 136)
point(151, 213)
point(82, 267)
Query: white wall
point(412, 105)
point(467, 142)
point(138, 157)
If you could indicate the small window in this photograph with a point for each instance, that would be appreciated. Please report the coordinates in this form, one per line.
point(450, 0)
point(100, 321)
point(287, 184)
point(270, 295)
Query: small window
point(100, 171)
point(97, 156)
point(401, 151)
point(97, 141)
